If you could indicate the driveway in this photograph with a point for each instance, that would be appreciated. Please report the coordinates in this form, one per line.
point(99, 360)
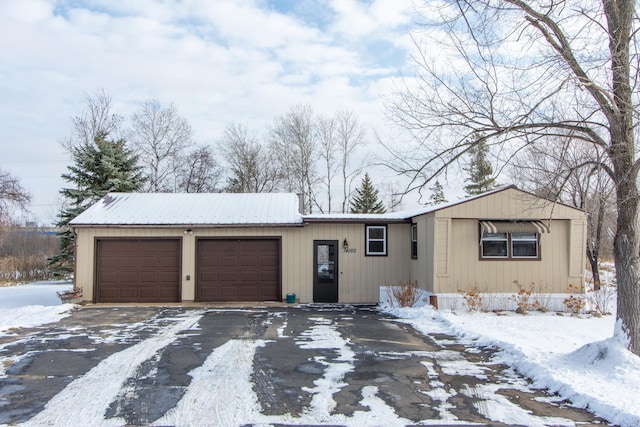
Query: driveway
point(308, 365)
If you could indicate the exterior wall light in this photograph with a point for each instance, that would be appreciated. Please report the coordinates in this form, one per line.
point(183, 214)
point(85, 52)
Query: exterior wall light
point(345, 244)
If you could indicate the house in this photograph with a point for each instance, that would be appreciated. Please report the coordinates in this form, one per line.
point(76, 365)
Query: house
point(155, 247)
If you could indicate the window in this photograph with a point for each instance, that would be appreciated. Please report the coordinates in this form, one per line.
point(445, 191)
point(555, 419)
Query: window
point(414, 241)
point(495, 245)
point(376, 240)
point(524, 245)
point(518, 245)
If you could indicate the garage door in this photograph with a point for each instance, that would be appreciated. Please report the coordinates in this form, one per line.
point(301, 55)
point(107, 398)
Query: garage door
point(131, 270)
point(238, 270)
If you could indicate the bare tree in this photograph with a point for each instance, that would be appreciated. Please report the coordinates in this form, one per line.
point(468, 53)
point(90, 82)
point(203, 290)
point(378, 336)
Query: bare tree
point(327, 141)
point(350, 134)
point(12, 194)
point(293, 139)
point(564, 171)
point(97, 118)
point(160, 136)
point(252, 166)
point(520, 71)
point(199, 171)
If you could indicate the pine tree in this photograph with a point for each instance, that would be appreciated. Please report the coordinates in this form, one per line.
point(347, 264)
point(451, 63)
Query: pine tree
point(437, 194)
point(480, 172)
point(366, 199)
point(98, 169)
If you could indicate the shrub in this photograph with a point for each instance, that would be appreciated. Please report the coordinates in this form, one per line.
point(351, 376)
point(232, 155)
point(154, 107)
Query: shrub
point(405, 293)
point(574, 304)
point(523, 299)
point(472, 299)
point(601, 299)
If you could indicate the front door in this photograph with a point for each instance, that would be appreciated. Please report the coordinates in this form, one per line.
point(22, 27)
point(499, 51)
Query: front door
point(325, 271)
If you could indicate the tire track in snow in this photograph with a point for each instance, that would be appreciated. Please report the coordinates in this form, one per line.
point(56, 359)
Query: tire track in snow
point(85, 400)
point(221, 392)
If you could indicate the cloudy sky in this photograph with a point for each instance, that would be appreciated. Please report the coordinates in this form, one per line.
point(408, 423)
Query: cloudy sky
point(218, 61)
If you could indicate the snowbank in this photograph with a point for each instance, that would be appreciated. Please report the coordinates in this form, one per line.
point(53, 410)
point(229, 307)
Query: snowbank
point(26, 306)
point(575, 357)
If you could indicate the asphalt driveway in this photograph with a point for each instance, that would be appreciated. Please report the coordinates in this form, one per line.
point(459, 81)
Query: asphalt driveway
point(308, 365)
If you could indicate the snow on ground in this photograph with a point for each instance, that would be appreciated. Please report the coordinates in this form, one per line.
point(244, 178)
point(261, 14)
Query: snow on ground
point(576, 357)
point(91, 394)
point(30, 305)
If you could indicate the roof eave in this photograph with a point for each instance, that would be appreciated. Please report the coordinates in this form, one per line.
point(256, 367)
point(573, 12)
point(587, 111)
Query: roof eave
point(192, 226)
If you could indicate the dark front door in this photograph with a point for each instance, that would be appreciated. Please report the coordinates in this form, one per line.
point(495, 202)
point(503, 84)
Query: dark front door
point(325, 271)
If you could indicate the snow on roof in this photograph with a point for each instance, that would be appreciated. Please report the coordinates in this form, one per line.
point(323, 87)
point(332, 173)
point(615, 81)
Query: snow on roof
point(192, 209)
point(215, 209)
point(401, 215)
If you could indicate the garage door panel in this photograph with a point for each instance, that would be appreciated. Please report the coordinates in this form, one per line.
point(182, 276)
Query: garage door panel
point(233, 270)
point(131, 270)
point(229, 260)
point(248, 261)
point(250, 276)
point(249, 292)
point(228, 276)
point(268, 276)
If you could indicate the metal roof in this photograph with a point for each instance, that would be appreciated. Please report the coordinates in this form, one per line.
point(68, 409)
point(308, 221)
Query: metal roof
point(192, 209)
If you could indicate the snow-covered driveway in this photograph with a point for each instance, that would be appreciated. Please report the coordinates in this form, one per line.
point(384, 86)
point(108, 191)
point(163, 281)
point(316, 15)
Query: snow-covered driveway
point(287, 366)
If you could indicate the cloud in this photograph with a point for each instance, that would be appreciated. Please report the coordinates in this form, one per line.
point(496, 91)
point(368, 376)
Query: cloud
point(218, 61)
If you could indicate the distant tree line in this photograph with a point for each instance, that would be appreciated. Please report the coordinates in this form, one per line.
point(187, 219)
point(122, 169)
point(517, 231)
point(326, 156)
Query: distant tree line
point(300, 151)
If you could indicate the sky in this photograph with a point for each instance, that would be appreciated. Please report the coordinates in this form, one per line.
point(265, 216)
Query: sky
point(219, 62)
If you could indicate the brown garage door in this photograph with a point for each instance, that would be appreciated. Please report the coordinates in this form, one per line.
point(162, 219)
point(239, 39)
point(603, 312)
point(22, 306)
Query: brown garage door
point(131, 270)
point(238, 270)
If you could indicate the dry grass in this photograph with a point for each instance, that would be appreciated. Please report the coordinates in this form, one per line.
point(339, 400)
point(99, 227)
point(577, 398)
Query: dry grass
point(23, 269)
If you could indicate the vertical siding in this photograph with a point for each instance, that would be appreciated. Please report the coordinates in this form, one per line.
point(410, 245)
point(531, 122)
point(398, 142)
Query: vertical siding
point(551, 273)
point(442, 239)
point(360, 276)
point(421, 266)
point(510, 203)
point(577, 256)
point(429, 266)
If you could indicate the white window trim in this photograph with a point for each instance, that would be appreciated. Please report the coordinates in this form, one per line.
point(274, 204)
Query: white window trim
point(383, 240)
point(506, 243)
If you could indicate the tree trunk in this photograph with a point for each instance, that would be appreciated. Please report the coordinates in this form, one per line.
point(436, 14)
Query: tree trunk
point(627, 260)
point(595, 270)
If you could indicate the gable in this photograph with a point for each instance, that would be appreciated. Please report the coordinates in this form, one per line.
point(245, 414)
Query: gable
point(510, 203)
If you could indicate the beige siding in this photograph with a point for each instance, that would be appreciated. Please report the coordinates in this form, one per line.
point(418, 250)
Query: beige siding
point(360, 275)
point(424, 262)
point(577, 255)
point(510, 204)
point(442, 250)
point(550, 273)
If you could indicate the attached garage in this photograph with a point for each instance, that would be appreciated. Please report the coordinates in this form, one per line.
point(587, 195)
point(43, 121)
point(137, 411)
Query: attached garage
point(137, 270)
point(238, 270)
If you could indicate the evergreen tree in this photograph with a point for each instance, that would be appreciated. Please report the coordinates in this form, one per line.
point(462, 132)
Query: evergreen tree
point(98, 168)
point(480, 172)
point(366, 199)
point(437, 194)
